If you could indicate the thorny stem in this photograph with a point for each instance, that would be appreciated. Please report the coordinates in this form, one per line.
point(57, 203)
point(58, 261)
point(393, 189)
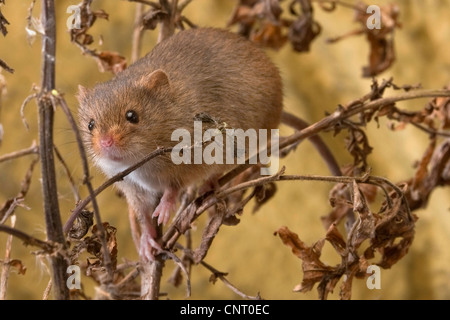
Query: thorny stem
point(337, 116)
point(151, 274)
point(29, 240)
point(100, 228)
point(318, 143)
point(46, 117)
point(137, 33)
point(167, 25)
point(353, 108)
point(6, 266)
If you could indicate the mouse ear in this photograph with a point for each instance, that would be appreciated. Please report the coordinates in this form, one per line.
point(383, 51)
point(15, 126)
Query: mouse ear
point(154, 81)
point(82, 92)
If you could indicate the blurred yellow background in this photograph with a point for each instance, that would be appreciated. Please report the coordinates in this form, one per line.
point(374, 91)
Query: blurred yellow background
point(315, 82)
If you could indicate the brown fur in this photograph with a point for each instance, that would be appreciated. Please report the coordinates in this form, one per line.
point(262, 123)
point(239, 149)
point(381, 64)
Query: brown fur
point(196, 71)
point(207, 70)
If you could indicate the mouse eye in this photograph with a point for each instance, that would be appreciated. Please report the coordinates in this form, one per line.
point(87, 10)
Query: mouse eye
point(91, 125)
point(132, 116)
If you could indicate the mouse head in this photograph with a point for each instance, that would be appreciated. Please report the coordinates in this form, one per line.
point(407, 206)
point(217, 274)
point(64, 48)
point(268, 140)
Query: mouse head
point(122, 119)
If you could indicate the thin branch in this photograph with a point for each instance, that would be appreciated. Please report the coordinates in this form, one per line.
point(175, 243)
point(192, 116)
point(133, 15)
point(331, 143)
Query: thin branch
point(6, 266)
point(167, 25)
point(344, 112)
point(138, 31)
point(151, 274)
point(318, 143)
point(349, 111)
point(47, 291)
point(72, 183)
point(218, 274)
point(106, 257)
point(183, 268)
point(221, 275)
point(46, 119)
point(194, 209)
point(22, 109)
point(11, 204)
point(5, 66)
point(430, 131)
point(128, 278)
point(34, 149)
point(29, 240)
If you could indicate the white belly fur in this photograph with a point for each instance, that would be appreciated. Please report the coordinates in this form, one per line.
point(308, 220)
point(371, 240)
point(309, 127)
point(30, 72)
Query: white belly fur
point(110, 168)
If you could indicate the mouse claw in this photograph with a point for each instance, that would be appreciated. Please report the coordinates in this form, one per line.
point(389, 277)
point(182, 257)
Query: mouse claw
point(162, 212)
point(148, 247)
point(165, 206)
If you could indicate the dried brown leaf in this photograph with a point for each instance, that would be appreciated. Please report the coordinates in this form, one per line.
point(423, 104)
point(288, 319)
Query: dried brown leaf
point(340, 210)
point(82, 224)
point(314, 270)
point(358, 146)
point(303, 31)
point(269, 35)
point(381, 41)
point(263, 194)
point(422, 169)
point(391, 254)
point(334, 237)
point(94, 246)
point(151, 19)
point(364, 226)
point(394, 222)
point(110, 61)
point(243, 14)
point(3, 23)
point(441, 110)
point(18, 265)
point(339, 198)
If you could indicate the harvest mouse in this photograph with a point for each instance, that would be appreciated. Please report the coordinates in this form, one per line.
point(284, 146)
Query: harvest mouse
point(197, 71)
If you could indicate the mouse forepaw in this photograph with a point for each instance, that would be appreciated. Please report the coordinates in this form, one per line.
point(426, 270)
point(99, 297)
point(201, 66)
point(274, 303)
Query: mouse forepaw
point(165, 206)
point(162, 212)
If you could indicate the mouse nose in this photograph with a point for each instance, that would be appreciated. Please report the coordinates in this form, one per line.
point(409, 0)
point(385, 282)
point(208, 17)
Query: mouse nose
point(106, 141)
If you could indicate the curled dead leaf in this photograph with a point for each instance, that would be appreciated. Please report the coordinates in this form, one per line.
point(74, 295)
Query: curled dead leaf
point(18, 265)
point(269, 35)
point(314, 270)
point(263, 194)
point(151, 19)
point(302, 32)
point(82, 224)
point(110, 61)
